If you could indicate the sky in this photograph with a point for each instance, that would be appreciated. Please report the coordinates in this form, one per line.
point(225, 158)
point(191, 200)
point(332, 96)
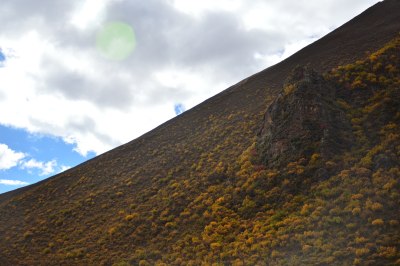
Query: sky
point(80, 77)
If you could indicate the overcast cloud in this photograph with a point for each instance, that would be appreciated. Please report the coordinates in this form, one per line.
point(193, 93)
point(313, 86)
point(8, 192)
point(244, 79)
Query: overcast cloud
point(54, 81)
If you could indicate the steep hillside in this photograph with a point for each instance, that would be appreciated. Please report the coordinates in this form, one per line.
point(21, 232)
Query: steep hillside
point(292, 166)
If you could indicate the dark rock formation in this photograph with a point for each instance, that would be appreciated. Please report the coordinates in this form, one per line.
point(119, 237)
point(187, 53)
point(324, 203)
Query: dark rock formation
point(304, 119)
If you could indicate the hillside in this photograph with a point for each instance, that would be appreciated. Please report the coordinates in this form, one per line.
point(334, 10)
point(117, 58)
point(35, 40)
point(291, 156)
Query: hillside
point(295, 165)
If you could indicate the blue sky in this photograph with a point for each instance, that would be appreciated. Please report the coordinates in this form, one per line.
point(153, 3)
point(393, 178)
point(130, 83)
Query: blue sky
point(2, 58)
point(43, 156)
point(179, 108)
point(62, 101)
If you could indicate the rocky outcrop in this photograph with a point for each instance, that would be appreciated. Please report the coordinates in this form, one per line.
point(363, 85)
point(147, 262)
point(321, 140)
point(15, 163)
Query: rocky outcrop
point(304, 119)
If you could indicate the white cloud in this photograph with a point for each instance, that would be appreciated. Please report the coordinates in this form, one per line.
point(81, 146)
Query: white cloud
point(64, 168)
point(45, 168)
point(288, 50)
point(186, 52)
point(197, 8)
point(88, 13)
point(9, 182)
point(8, 157)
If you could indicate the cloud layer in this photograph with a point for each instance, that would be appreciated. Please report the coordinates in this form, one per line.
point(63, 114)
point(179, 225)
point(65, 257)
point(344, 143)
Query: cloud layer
point(44, 168)
point(9, 158)
point(12, 161)
point(9, 182)
point(55, 82)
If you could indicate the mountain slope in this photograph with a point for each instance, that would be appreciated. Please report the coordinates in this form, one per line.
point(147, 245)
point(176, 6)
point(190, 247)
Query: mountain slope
point(195, 190)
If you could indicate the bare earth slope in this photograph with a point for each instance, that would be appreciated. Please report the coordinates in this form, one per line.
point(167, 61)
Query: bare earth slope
point(139, 203)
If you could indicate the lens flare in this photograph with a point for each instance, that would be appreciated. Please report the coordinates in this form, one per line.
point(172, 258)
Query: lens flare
point(116, 41)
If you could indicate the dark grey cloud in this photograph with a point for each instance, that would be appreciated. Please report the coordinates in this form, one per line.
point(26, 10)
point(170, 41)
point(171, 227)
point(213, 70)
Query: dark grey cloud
point(220, 35)
point(217, 40)
point(105, 91)
point(86, 125)
point(18, 15)
point(83, 125)
point(216, 43)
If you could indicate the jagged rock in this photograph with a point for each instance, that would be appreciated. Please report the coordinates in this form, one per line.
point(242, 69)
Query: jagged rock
point(304, 119)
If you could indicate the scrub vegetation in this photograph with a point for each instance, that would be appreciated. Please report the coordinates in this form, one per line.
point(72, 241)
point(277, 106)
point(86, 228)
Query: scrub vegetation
point(219, 194)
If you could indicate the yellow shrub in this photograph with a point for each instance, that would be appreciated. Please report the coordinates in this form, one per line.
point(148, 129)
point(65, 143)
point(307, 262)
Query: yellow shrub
point(288, 89)
point(275, 254)
point(387, 252)
point(356, 196)
point(362, 251)
point(376, 206)
point(131, 216)
point(361, 240)
point(377, 222)
point(215, 246)
point(306, 248)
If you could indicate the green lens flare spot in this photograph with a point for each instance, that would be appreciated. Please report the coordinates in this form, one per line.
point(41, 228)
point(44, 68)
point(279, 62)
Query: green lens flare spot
point(116, 41)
